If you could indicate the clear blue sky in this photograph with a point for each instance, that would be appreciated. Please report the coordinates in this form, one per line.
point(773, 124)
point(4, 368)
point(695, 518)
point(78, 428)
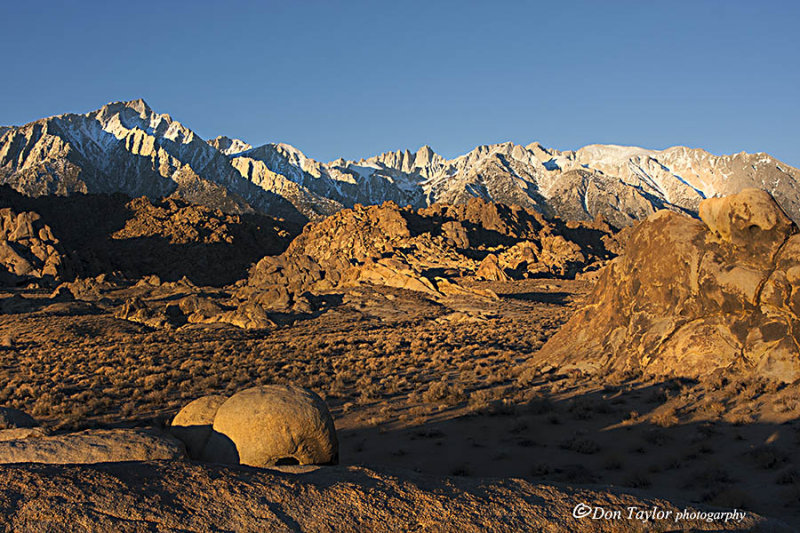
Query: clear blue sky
point(357, 78)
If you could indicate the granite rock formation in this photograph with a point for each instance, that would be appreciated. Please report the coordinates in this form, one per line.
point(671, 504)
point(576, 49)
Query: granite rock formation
point(689, 297)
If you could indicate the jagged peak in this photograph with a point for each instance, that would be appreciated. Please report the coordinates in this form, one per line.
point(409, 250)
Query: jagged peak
point(138, 105)
point(228, 145)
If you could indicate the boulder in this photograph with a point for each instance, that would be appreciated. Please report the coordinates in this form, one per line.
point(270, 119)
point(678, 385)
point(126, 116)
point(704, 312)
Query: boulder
point(93, 446)
point(490, 270)
point(391, 273)
point(749, 220)
point(249, 315)
point(151, 314)
point(11, 418)
point(273, 425)
point(192, 425)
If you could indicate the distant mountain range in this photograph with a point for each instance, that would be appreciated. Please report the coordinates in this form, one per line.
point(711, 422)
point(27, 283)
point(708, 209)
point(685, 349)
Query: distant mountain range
point(126, 147)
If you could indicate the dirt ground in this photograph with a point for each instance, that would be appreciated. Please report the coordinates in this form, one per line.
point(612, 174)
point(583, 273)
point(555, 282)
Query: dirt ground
point(415, 384)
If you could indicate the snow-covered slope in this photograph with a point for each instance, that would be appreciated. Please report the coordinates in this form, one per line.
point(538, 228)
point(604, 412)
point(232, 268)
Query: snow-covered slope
point(127, 147)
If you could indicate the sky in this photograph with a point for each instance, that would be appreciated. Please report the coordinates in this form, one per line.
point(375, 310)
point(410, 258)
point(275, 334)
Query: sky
point(354, 79)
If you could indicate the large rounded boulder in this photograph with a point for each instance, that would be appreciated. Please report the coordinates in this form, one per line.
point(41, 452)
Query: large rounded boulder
point(273, 425)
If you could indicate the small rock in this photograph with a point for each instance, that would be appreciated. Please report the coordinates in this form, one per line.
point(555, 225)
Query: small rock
point(11, 418)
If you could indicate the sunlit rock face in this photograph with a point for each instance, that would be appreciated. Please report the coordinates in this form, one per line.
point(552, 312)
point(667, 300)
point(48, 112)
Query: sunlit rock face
point(688, 297)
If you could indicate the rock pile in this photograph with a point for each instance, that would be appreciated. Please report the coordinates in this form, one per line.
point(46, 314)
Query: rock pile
point(424, 250)
point(28, 248)
point(688, 297)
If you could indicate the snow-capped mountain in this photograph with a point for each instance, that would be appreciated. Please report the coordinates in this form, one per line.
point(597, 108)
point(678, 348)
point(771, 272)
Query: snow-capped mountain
point(127, 147)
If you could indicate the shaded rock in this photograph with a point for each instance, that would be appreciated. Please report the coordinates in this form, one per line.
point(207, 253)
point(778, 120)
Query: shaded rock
point(11, 418)
point(93, 446)
point(192, 425)
point(167, 239)
point(272, 425)
point(684, 300)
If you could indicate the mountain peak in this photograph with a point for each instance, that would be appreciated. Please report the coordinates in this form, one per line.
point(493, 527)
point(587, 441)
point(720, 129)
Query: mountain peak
point(138, 105)
point(229, 146)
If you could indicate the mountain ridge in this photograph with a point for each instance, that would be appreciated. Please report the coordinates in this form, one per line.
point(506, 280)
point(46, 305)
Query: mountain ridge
point(130, 148)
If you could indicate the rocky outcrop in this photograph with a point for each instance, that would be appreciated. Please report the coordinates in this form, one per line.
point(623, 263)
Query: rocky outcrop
point(689, 297)
point(229, 146)
point(273, 425)
point(424, 250)
point(194, 497)
point(152, 315)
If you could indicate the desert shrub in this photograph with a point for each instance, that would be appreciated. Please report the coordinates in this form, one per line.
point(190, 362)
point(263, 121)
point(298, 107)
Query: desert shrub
point(540, 470)
point(582, 408)
point(637, 480)
point(656, 437)
point(665, 418)
point(787, 403)
point(768, 457)
point(580, 444)
point(442, 392)
point(480, 400)
point(790, 476)
point(726, 497)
